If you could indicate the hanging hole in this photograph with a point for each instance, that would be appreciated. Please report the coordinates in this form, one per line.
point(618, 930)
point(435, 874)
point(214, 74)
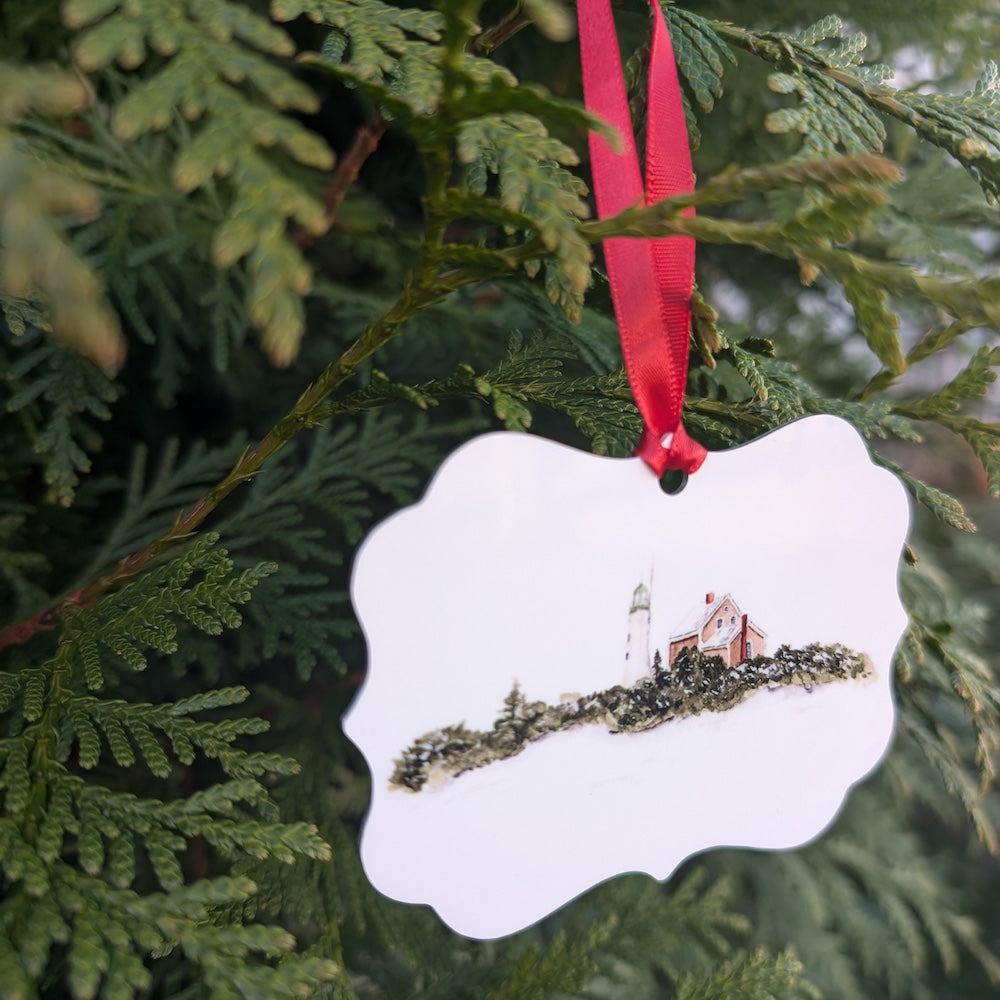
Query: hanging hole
point(673, 481)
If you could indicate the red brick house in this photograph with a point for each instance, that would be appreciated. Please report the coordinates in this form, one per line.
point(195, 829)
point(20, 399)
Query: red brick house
point(719, 628)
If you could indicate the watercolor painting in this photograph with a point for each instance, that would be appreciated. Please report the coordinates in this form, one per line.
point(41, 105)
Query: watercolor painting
point(712, 659)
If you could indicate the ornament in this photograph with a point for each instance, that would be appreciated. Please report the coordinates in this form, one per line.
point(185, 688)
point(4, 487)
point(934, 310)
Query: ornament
point(573, 674)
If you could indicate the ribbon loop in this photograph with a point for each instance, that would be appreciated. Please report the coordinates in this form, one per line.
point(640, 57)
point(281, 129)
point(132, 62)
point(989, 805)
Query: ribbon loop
point(651, 279)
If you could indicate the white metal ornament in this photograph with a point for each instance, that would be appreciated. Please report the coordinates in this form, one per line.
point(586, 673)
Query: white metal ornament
point(574, 675)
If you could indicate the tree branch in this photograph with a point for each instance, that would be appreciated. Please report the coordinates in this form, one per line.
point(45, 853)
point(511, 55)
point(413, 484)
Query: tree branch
point(424, 287)
point(364, 143)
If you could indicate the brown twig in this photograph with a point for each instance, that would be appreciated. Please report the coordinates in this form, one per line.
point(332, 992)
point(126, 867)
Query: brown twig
point(20, 632)
point(364, 143)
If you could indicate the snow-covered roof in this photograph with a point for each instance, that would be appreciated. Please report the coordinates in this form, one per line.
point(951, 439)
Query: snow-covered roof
point(696, 619)
point(701, 614)
point(723, 637)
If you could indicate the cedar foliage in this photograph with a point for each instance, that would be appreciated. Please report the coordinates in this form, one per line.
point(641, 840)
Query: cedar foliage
point(178, 810)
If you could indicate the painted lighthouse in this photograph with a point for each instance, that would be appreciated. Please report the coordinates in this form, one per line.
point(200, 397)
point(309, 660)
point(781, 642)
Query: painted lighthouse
point(637, 661)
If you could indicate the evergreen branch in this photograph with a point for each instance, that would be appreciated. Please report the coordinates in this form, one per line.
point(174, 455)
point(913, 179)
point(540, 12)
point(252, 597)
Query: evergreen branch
point(45, 801)
point(757, 976)
point(212, 54)
point(79, 845)
point(845, 908)
point(416, 296)
point(929, 345)
point(458, 106)
point(36, 260)
point(302, 614)
point(425, 287)
point(841, 100)
point(973, 302)
point(601, 406)
point(838, 175)
point(943, 505)
point(148, 507)
point(153, 244)
point(686, 927)
point(984, 439)
point(563, 966)
point(943, 408)
point(940, 656)
point(845, 178)
point(974, 380)
point(699, 52)
point(59, 389)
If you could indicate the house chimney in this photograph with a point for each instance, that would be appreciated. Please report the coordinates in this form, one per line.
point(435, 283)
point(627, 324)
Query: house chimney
point(709, 597)
point(743, 639)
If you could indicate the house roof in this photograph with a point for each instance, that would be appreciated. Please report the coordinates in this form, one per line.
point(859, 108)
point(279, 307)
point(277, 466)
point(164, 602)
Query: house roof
point(701, 614)
point(698, 616)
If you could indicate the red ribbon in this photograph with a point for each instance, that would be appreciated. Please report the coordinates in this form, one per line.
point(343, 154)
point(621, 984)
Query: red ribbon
point(651, 279)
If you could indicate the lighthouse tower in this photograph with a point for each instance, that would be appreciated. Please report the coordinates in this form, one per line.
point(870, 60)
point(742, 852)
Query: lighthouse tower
point(637, 663)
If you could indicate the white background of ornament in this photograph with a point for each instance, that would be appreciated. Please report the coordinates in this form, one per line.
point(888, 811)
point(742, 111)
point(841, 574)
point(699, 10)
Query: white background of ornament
point(520, 563)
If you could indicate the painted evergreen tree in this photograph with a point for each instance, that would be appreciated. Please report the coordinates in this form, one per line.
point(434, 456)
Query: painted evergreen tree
point(261, 267)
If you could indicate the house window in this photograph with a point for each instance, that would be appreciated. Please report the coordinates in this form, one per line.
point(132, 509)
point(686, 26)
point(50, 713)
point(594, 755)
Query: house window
point(732, 621)
point(749, 647)
point(718, 623)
